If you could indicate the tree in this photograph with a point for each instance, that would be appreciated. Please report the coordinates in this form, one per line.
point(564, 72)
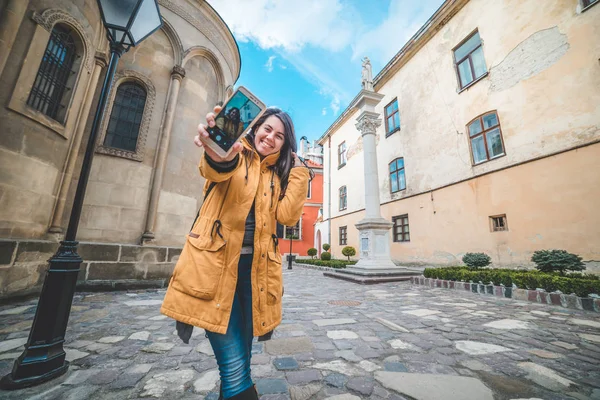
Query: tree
point(312, 252)
point(557, 261)
point(476, 260)
point(326, 246)
point(349, 251)
point(325, 256)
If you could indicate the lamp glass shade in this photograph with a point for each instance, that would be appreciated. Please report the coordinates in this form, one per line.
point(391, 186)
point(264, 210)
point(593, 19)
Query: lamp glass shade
point(117, 13)
point(146, 21)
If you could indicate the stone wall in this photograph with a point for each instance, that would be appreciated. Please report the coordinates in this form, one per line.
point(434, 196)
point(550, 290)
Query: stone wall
point(23, 264)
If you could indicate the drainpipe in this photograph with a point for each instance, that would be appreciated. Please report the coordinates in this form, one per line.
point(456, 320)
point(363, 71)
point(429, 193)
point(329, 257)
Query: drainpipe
point(329, 198)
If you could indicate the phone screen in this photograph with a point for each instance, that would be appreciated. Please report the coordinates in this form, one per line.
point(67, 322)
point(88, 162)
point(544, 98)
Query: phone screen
point(237, 114)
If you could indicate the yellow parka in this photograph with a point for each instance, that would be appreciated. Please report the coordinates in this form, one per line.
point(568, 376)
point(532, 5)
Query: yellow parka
point(202, 287)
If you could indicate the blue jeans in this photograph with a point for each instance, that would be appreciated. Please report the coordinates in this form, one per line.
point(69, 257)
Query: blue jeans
point(233, 350)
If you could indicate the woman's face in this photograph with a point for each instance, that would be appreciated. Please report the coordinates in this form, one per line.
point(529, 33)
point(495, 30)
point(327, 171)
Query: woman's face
point(269, 137)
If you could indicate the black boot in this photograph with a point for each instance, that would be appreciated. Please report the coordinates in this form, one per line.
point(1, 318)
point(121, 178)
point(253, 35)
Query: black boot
point(248, 394)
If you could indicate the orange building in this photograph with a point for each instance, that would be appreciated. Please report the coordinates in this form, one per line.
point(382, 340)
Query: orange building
point(303, 234)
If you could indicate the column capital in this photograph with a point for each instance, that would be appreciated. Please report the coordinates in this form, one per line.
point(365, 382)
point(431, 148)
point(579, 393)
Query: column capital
point(101, 59)
point(178, 72)
point(368, 125)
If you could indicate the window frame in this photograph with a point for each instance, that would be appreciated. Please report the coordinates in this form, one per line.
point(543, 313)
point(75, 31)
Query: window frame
point(44, 24)
point(343, 233)
point(120, 78)
point(493, 224)
point(403, 169)
point(484, 132)
point(123, 109)
point(285, 230)
point(340, 152)
point(403, 232)
point(468, 56)
point(345, 198)
point(587, 4)
point(386, 117)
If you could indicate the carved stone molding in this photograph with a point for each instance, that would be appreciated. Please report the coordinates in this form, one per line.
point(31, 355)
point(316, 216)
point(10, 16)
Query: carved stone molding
point(52, 16)
point(204, 28)
point(368, 125)
point(101, 59)
point(178, 72)
point(138, 154)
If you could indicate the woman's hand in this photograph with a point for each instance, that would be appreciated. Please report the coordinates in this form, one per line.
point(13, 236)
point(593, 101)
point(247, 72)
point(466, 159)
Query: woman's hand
point(203, 137)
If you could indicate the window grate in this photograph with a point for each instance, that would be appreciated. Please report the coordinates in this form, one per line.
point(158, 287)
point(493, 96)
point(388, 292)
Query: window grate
point(401, 229)
point(498, 223)
point(126, 117)
point(50, 85)
point(343, 235)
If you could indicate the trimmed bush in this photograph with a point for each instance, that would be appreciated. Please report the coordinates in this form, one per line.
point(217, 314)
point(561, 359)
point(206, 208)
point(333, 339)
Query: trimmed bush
point(326, 246)
point(580, 284)
point(312, 252)
point(557, 261)
point(476, 260)
point(328, 263)
point(349, 251)
point(325, 256)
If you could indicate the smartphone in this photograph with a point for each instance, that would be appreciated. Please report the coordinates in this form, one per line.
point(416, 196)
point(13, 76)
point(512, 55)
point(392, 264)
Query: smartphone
point(239, 113)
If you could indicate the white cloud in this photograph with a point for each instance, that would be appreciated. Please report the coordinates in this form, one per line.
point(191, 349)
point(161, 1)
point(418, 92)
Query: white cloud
point(282, 66)
point(269, 63)
point(335, 105)
point(404, 18)
point(289, 25)
point(324, 111)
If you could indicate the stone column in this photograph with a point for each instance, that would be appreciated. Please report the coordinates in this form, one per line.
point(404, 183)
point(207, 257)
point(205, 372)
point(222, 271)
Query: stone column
point(374, 247)
point(177, 76)
point(10, 21)
point(57, 217)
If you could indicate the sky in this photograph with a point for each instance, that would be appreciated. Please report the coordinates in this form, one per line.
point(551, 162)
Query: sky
point(305, 56)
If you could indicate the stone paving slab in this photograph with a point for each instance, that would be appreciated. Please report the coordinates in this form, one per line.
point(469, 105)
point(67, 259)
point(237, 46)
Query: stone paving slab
point(402, 341)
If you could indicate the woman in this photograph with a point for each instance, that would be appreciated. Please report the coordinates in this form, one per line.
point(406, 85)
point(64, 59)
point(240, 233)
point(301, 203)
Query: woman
point(228, 278)
point(231, 124)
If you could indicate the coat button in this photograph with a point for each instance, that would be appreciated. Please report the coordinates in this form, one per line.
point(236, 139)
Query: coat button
point(263, 256)
point(262, 289)
point(265, 194)
point(264, 224)
point(263, 324)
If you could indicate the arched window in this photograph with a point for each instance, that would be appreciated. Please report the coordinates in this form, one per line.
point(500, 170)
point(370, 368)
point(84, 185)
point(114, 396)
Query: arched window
point(55, 80)
point(126, 117)
point(397, 177)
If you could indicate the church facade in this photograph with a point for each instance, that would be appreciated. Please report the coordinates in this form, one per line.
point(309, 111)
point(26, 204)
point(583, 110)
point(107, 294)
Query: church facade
point(489, 138)
point(144, 188)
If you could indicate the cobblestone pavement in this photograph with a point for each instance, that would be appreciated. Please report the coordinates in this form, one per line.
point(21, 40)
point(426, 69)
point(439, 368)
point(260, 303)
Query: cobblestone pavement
point(389, 341)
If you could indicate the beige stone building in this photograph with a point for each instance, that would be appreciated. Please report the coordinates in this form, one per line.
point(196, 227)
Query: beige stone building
point(144, 187)
point(489, 140)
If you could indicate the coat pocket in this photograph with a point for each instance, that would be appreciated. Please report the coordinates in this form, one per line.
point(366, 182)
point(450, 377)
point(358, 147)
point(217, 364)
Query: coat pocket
point(274, 278)
point(200, 267)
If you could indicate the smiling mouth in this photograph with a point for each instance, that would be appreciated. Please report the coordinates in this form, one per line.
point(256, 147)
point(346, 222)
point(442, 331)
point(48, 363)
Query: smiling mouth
point(267, 145)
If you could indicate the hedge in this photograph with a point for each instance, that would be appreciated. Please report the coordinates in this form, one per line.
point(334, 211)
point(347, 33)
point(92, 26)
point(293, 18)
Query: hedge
point(323, 263)
point(580, 284)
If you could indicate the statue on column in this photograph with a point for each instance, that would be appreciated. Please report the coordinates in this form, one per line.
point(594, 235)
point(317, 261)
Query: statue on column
point(367, 74)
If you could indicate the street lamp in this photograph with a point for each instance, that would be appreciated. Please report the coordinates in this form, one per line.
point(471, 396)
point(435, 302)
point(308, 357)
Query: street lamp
point(127, 22)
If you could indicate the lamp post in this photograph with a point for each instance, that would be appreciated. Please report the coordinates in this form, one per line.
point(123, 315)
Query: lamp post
point(127, 22)
point(290, 255)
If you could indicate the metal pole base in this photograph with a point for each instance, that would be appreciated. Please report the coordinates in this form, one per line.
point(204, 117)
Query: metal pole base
point(8, 383)
point(44, 356)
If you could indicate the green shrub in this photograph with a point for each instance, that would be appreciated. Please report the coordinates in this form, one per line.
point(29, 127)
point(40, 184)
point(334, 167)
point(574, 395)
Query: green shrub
point(579, 284)
point(326, 246)
point(328, 263)
point(557, 261)
point(325, 255)
point(476, 260)
point(349, 251)
point(312, 252)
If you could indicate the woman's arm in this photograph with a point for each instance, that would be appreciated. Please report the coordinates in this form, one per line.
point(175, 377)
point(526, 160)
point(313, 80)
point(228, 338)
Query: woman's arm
point(218, 171)
point(289, 209)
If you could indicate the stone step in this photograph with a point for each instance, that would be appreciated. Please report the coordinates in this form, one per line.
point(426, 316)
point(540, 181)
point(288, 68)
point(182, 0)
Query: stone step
point(368, 280)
